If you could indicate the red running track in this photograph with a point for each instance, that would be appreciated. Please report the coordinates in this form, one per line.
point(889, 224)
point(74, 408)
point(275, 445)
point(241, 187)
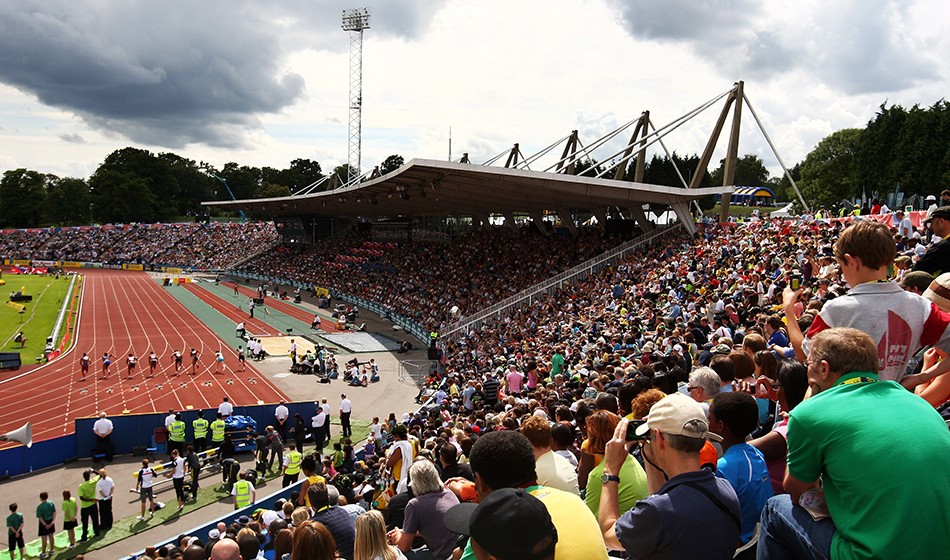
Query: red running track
point(125, 312)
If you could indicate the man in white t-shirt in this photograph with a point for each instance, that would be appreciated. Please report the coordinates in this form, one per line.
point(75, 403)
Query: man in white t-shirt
point(318, 428)
point(346, 407)
point(281, 413)
point(105, 488)
point(143, 485)
point(169, 419)
point(103, 430)
point(905, 228)
point(326, 427)
point(225, 408)
point(376, 431)
point(178, 477)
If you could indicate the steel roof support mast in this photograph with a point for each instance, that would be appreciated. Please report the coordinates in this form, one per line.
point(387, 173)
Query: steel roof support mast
point(355, 21)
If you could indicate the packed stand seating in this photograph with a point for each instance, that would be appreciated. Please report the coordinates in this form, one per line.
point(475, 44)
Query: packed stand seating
point(425, 280)
point(213, 245)
point(687, 340)
point(15, 243)
point(219, 244)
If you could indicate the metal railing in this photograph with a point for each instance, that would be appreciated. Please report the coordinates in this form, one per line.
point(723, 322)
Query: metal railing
point(414, 372)
point(583, 270)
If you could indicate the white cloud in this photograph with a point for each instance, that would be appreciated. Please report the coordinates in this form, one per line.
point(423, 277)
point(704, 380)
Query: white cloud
point(262, 86)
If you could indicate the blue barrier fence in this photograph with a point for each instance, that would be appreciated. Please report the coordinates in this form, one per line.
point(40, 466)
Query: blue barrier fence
point(129, 431)
point(201, 531)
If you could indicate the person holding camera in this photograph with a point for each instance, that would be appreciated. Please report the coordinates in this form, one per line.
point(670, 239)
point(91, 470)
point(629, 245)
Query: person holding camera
point(692, 505)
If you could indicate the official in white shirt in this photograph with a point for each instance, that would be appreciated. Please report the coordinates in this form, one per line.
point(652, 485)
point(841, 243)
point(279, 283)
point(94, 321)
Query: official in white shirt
point(105, 488)
point(103, 430)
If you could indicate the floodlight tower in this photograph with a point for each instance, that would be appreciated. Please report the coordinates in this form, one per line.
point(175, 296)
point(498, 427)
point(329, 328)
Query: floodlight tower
point(355, 21)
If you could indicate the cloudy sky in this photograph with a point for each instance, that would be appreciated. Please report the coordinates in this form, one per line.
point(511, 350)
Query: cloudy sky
point(262, 83)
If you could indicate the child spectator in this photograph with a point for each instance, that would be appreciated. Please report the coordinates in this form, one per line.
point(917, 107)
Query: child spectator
point(734, 416)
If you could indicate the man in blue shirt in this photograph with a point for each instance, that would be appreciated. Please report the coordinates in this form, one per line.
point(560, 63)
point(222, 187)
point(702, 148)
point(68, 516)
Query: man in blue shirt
point(734, 416)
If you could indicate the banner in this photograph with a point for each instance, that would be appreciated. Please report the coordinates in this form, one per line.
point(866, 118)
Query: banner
point(72, 264)
point(21, 262)
point(133, 267)
point(322, 292)
point(171, 270)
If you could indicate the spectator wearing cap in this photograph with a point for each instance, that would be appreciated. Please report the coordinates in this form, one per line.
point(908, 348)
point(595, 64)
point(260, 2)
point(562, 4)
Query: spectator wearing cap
point(916, 281)
point(855, 433)
point(937, 257)
point(505, 460)
point(734, 416)
point(490, 524)
point(692, 508)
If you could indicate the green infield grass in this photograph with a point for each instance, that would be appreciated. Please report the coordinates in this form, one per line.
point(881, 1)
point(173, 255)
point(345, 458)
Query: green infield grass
point(37, 317)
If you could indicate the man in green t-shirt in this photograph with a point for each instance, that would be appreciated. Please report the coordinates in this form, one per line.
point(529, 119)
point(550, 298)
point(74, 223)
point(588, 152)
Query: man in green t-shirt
point(46, 516)
point(15, 532)
point(880, 452)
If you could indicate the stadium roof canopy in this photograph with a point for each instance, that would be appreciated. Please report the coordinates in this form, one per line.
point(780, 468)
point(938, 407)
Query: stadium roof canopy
point(424, 187)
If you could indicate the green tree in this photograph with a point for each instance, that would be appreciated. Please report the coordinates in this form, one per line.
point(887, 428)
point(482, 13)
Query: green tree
point(783, 187)
point(828, 174)
point(302, 172)
point(339, 176)
point(270, 190)
point(391, 164)
point(874, 157)
point(188, 188)
point(67, 202)
point(243, 180)
point(587, 167)
point(662, 170)
point(750, 171)
point(22, 197)
point(119, 197)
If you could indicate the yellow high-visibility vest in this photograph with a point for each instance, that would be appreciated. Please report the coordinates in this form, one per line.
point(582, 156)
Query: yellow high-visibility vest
point(176, 432)
point(217, 430)
point(243, 496)
point(201, 427)
point(293, 466)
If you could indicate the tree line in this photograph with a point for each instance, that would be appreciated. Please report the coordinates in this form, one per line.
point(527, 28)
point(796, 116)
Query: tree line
point(136, 185)
point(905, 149)
point(899, 149)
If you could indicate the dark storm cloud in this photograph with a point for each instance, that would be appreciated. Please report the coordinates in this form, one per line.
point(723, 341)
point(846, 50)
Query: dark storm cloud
point(853, 46)
point(172, 73)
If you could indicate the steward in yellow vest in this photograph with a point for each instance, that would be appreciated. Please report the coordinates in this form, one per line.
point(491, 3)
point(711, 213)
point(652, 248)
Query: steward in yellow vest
point(200, 426)
point(244, 493)
point(292, 465)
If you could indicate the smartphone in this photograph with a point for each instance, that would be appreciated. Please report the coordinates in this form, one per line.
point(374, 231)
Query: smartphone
point(632, 431)
point(795, 280)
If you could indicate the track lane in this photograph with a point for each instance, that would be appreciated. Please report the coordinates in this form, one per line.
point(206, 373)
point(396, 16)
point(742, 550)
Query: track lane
point(121, 311)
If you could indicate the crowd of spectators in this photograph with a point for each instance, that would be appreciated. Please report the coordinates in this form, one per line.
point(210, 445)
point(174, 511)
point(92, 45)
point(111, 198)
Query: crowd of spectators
point(433, 282)
point(213, 245)
point(689, 398)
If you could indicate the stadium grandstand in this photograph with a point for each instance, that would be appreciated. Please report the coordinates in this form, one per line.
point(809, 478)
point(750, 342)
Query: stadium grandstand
point(578, 352)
